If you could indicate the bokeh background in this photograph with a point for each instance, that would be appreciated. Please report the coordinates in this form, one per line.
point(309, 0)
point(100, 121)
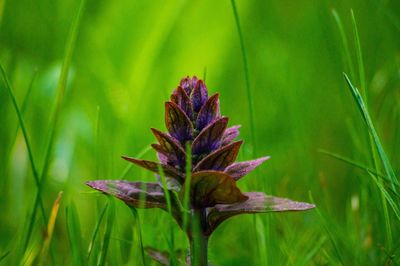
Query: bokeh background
point(127, 59)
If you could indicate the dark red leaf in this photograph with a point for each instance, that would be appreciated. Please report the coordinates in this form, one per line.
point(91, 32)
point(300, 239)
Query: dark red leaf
point(178, 123)
point(221, 158)
point(181, 98)
point(230, 134)
point(136, 194)
point(240, 169)
point(153, 166)
point(210, 137)
point(212, 187)
point(199, 95)
point(257, 202)
point(169, 147)
point(209, 112)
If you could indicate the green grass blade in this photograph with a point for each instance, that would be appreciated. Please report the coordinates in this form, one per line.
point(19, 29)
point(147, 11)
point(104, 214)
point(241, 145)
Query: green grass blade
point(138, 233)
point(367, 119)
point(247, 78)
point(2, 257)
point(31, 158)
point(169, 208)
point(345, 43)
point(124, 173)
point(353, 163)
point(188, 179)
point(74, 235)
point(95, 231)
point(55, 114)
point(107, 234)
point(50, 228)
point(387, 196)
point(328, 231)
point(360, 61)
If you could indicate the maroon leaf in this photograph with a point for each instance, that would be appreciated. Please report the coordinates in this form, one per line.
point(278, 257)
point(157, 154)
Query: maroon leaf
point(257, 202)
point(153, 166)
point(178, 123)
point(210, 137)
point(212, 187)
point(188, 84)
point(136, 194)
point(240, 169)
point(169, 147)
point(181, 98)
point(221, 158)
point(209, 112)
point(199, 95)
point(230, 134)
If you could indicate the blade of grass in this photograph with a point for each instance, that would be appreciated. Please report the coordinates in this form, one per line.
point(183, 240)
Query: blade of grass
point(251, 116)
point(358, 165)
point(95, 231)
point(367, 119)
point(247, 78)
point(173, 260)
point(31, 159)
point(188, 178)
point(123, 175)
point(352, 162)
point(313, 251)
point(57, 108)
point(50, 228)
point(74, 234)
point(363, 83)
point(328, 231)
point(386, 194)
point(138, 233)
point(360, 61)
point(107, 234)
point(4, 255)
point(345, 43)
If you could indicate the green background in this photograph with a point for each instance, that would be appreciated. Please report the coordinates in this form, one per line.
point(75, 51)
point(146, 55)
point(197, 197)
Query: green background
point(130, 55)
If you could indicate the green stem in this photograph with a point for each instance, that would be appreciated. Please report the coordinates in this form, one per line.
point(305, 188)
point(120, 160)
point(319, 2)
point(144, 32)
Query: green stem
point(198, 239)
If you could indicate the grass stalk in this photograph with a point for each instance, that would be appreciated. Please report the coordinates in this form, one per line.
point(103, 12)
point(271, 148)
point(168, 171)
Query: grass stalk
point(188, 179)
point(247, 79)
point(345, 43)
point(173, 260)
point(50, 228)
point(62, 83)
point(95, 231)
point(107, 234)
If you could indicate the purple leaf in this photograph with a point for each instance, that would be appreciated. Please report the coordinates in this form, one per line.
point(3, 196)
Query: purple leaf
point(210, 137)
point(169, 147)
point(230, 134)
point(188, 84)
point(209, 112)
point(212, 187)
point(153, 166)
point(240, 169)
point(199, 95)
point(221, 158)
point(136, 194)
point(257, 202)
point(178, 123)
point(181, 98)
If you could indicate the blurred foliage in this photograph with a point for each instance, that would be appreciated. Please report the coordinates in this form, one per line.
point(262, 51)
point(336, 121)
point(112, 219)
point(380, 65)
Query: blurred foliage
point(131, 54)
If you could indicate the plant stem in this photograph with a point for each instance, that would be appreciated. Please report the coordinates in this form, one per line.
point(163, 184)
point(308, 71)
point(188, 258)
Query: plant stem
point(198, 239)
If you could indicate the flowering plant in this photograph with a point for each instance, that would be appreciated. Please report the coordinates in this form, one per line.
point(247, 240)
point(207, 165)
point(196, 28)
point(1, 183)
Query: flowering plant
point(196, 171)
